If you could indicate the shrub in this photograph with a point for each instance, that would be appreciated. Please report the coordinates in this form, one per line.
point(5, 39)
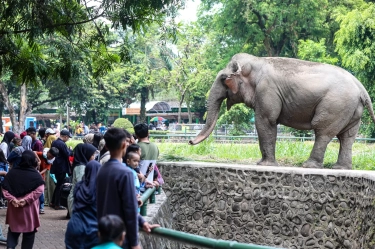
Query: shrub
point(125, 124)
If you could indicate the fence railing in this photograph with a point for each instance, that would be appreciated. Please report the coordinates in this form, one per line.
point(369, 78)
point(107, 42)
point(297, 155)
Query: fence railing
point(186, 136)
point(187, 238)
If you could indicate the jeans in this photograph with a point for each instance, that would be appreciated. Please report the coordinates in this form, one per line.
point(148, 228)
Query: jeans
point(41, 201)
point(27, 239)
point(56, 194)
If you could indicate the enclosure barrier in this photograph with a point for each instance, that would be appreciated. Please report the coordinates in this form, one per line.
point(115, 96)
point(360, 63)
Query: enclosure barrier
point(148, 194)
point(201, 241)
point(188, 238)
point(242, 138)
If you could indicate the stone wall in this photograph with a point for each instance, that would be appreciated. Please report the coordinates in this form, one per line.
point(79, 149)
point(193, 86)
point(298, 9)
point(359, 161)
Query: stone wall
point(275, 206)
point(158, 213)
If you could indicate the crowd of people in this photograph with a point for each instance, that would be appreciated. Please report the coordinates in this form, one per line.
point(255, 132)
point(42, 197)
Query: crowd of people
point(99, 183)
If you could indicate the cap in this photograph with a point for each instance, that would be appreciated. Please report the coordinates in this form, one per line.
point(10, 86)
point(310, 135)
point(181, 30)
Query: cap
point(65, 133)
point(50, 131)
point(54, 151)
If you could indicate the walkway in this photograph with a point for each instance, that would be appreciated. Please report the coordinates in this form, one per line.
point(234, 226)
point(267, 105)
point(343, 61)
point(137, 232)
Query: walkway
point(51, 233)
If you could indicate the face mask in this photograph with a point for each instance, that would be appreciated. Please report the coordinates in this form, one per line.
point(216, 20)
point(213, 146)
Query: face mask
point(50, 161)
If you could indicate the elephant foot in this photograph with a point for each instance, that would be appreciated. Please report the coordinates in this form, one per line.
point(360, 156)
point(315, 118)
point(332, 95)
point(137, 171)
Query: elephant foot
point(312, 164)
point(267, 163)
point(340, 166)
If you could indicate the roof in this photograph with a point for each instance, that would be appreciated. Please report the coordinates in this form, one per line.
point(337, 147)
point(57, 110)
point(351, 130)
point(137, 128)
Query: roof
point(156, 106)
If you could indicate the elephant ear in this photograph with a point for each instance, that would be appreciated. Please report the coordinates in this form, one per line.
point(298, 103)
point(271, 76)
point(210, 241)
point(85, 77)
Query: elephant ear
point(231, 84)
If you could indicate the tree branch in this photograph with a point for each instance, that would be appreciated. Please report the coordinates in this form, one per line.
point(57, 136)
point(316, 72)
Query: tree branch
point(47, 101)
point(51, 26)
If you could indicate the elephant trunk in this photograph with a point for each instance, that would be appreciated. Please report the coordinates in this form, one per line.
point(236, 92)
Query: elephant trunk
point(216, 97)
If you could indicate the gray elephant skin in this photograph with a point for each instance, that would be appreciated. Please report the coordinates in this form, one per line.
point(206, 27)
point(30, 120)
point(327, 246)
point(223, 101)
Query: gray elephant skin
point(296, 93)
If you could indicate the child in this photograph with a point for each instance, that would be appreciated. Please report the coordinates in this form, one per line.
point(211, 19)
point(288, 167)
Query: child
point(136, 148)
point(17, 142)
point(111, 232)
point(132, 161)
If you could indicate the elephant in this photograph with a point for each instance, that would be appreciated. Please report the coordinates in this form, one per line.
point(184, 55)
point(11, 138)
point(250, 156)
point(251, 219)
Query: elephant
point(300, 94)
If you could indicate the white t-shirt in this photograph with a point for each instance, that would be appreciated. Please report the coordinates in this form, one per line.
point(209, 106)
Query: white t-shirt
point(4, 148)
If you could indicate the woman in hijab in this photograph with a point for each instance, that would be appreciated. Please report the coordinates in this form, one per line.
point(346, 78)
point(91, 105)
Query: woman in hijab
point(14, 157)
point(83, 153)
point(22, 187)
point(82, 231)
point(5, 143)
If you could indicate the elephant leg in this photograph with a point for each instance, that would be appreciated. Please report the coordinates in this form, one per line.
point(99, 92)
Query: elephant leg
point(267, 133)
point(317, 154)
point(346, 139)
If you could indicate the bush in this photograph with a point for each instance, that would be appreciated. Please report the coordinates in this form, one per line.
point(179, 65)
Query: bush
point(157, 132)
point(125, 124)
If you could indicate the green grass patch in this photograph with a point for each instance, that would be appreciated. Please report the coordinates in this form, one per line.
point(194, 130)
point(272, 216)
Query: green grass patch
point(287, 153)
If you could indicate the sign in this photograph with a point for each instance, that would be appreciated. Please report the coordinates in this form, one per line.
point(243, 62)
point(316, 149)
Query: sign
point(131, 111)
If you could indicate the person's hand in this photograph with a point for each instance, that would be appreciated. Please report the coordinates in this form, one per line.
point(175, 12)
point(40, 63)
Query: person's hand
point(147, 227)
point(22, 202)
point(15, 203)
point(149, 185)
point(141, 177)
point(156, 184)
point(136, 247)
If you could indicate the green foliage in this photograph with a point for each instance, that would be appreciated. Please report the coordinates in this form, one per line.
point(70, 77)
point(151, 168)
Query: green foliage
point(315, 51)
point(124, 123)
point(239, 116)
point(355, 44)
point(158, 132)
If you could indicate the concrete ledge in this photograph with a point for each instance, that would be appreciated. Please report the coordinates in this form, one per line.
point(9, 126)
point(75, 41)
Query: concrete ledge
point(277, 206)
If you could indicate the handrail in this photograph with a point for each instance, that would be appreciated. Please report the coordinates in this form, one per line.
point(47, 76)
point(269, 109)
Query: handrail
point(171, 135)
point(201, 241)
point(148, 194)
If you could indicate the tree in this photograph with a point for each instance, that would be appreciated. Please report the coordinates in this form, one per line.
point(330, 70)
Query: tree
point(355, 44)
point(25, 26)
point(239, 116)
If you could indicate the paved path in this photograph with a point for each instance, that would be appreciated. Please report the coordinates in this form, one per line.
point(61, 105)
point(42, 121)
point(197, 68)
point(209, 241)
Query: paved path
point(51, 233)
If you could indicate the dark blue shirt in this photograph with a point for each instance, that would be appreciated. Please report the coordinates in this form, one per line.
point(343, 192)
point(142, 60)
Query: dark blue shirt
point(115, 195)
point(61, 163)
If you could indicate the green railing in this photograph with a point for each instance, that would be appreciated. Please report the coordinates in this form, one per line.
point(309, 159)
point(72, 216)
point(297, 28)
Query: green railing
point(149, 194)
point(247, 138)
point(188, 238)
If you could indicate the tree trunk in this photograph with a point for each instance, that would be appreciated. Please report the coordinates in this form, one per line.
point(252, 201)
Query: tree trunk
point(8, 104)
point(179, 108)
point(24, 108)
point(189, 114)
point(144, 96)
point(67, 114)
point(1, 114)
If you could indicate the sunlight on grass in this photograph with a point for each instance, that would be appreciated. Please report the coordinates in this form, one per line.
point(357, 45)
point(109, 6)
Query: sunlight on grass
point(287, 153)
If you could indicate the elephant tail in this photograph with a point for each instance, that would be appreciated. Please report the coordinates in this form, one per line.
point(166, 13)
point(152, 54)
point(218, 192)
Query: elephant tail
point(366, 100)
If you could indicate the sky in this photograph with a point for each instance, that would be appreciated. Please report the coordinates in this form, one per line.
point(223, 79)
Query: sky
point(189, 13)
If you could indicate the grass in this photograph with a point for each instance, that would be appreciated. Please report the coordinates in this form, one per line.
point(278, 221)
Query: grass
point(287, 153)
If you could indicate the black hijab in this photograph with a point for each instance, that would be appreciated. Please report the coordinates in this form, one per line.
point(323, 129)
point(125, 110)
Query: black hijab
point(25, 178)
point(85, 190)
point(82, 154)
point(8, 137)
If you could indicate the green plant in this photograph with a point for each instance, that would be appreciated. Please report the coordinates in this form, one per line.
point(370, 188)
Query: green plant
point(125, 124)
